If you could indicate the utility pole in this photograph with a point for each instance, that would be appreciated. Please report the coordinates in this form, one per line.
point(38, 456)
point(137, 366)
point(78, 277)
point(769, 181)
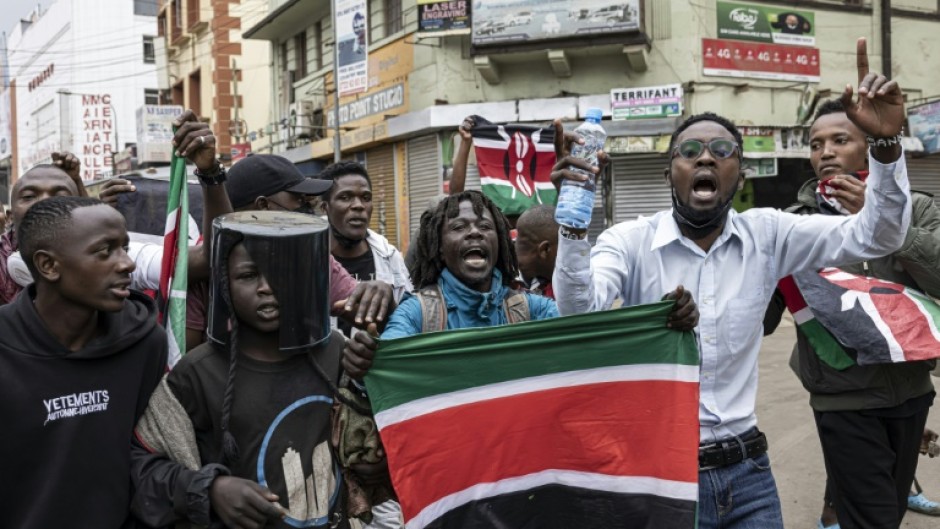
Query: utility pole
point(337, 154)
point(237, 127)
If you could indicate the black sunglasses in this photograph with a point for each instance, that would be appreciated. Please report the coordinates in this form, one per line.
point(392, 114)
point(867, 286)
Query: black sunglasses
point(692, 149)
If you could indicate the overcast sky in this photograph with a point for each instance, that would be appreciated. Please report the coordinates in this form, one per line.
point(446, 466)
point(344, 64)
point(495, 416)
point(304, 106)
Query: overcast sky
point(17, 9)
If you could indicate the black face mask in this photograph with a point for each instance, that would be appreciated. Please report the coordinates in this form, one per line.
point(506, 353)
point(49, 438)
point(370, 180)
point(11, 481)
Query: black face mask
point(699, 224)
point(307, 209)
point(344, 241)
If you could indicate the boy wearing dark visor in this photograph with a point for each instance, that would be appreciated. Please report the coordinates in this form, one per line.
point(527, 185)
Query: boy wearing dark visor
point(730, 263)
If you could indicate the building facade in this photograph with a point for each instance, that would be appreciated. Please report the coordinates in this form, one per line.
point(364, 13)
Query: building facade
point(763, 64)
point(206, 67)
point(76, 87)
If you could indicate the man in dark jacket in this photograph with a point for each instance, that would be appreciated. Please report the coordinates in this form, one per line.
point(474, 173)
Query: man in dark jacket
point(80, 355)
point(871, 414)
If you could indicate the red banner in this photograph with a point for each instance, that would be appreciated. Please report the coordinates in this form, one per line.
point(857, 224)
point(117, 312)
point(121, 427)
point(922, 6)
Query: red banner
point(731, 58)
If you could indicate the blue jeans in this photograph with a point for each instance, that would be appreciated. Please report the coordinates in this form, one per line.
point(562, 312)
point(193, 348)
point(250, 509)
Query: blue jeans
point(739, 496)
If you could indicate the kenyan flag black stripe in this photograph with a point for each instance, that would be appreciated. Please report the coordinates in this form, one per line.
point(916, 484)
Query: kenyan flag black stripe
point(560, 507)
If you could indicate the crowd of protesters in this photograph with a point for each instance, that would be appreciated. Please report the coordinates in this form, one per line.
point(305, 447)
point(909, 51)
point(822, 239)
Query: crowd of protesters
point(290, 293)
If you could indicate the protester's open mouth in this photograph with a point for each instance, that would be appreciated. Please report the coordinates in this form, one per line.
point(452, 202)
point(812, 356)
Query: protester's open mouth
point(704, 186)
point(121, 289)
point(475, 257)
point(269, 311)
point(357, 222)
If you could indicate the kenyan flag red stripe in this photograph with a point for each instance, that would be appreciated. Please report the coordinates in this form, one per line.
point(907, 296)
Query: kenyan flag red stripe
point(616, 440)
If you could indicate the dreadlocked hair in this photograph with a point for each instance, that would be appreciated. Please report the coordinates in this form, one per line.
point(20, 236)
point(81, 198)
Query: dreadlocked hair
point(428, 260)
point(229, 446)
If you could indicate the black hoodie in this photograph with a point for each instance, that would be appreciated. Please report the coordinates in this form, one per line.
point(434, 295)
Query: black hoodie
point(68, 417)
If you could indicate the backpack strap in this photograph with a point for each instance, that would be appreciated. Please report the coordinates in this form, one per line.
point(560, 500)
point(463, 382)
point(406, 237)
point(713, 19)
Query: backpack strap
point(433, 309)
point(516, 306)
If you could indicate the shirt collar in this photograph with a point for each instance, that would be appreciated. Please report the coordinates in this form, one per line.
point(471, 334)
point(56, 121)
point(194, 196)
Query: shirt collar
point(667, 231)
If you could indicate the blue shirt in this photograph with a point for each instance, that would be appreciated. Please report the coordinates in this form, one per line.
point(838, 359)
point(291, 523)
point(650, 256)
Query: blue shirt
point(465, 307)
point(640, 261)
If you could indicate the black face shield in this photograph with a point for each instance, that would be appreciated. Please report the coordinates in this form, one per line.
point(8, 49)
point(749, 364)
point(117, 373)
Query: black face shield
point(292, 251)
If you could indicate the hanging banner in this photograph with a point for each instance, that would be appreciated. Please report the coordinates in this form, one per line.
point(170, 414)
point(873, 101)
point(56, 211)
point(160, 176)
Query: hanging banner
point(438, 19)
point(646, 102)
point(769, 142)
point(924, 121)
point(155, 132)
point(497, 22)
point(761, 23)
point(729, 58)
point(759, 167)
point(351, 24)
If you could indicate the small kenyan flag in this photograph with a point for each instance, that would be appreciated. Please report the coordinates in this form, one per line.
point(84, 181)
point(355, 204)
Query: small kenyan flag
point(515, 164)
point(173, 269)
point(881, 321)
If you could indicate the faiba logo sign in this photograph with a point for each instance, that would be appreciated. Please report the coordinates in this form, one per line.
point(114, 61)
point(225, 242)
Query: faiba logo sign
point(746, 17)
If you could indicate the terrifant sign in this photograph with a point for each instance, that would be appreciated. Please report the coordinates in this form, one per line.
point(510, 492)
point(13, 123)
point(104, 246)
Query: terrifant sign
point(646, 102)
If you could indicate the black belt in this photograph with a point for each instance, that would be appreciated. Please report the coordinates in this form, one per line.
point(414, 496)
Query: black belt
point(730, 451)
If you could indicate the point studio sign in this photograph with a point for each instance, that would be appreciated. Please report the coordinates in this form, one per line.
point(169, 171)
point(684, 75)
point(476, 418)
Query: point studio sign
point(371, 104)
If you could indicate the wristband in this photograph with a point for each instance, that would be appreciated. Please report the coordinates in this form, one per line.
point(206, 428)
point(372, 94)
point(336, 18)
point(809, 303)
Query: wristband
point(213, 177)
point(890, 141)
point(566, 232)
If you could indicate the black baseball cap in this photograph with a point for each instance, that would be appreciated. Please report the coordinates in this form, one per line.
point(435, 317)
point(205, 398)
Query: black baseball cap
point(263, 175)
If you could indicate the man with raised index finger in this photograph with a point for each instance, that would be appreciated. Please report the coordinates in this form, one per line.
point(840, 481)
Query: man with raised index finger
point(730, 263)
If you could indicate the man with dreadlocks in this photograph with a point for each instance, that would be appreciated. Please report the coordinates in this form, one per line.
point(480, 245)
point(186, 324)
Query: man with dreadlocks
point(463, 273)
point(240, 430)
point(731, 263)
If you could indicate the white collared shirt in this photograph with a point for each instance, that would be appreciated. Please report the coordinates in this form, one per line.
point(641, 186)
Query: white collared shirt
point(640, 261)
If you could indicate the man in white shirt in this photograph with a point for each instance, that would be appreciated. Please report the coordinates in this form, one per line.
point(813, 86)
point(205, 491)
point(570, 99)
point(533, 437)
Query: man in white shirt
point(731, 263)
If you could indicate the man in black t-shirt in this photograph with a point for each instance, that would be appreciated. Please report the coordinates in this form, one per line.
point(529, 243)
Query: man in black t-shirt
point(365, 254)
point(241, 428)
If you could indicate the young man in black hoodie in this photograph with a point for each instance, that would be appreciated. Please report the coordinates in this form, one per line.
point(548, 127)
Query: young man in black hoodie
point(79, 358)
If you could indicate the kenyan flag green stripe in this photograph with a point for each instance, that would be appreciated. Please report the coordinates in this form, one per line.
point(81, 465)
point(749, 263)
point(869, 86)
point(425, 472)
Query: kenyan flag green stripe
point(827, 348)
point(511, 201)
point(411, 368)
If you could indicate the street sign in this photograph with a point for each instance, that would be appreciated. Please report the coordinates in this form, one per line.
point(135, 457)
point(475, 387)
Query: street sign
point(438, 19)
point(763, 23)
point(729, 58)
point(646, 102)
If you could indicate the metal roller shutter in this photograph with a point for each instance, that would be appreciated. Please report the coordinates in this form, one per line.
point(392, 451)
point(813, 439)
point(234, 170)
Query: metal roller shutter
point(380, 162)
point(424, 175)
point(924, 174)
point(473, 177)
point(639, 187)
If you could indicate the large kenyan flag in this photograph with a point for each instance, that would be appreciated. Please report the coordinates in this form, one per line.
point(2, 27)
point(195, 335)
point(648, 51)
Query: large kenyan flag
point(584, 421)
point(515, 164)
point(879, 321)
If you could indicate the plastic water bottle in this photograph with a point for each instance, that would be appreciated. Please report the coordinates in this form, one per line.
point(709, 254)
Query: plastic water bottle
point(576, 199)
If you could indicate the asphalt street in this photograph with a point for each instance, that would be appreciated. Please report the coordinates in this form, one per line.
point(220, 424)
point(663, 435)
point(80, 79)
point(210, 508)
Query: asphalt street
point(785, 416)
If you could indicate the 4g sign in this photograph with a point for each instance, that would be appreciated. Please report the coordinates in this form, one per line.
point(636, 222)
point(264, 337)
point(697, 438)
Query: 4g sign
point(729, 58)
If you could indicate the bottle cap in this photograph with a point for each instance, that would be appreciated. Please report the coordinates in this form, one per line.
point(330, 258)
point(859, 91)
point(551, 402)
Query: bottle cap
point(594, 114)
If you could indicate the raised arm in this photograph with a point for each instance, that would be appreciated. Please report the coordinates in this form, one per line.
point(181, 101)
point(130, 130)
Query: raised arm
point(194, 141)
point(458, 179)
point(589, 279)
point(70, 163)
point(817, 241)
